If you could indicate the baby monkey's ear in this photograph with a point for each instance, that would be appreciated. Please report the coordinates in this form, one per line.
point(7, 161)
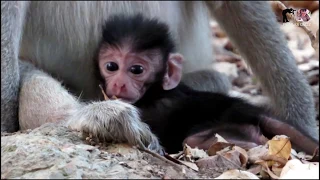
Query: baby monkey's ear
point(174, 71)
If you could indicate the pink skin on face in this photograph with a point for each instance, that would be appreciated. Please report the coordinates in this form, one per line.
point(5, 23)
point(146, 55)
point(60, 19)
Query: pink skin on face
point(123, 82)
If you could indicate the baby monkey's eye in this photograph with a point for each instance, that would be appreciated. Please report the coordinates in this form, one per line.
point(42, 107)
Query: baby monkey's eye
point(112, 66)
point(136, 69)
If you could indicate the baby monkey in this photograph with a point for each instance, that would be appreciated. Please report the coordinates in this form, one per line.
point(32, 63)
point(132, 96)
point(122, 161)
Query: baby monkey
point(135, 53)
point(138, 64)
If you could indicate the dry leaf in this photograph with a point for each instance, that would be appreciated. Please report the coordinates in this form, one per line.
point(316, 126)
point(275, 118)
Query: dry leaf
point(187, 152)
point(225, 153)
point(218, 163)
point(220, 138)
point(266, 169)
point(254, 154)
point(278, 154)
point(294, 169)
point(219, 144)
point(237, 174)
point(264, 175)
point(177, 156)
point(273, 159)
point(276, 170)
point(231, 158)
point(243, 155)
point(280, 146)
point(255, 169)
point(192, 154)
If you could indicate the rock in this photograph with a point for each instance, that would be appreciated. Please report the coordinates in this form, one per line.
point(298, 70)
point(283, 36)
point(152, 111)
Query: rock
point(237, 174)
point(53, 151)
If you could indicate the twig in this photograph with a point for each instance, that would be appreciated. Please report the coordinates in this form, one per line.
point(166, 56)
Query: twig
point(160, 157)
point(104, 94)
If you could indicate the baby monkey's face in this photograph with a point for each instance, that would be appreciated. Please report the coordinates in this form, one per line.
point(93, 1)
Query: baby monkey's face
point(125, 73)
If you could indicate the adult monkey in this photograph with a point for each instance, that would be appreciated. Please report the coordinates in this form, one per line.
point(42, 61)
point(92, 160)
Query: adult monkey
point(60, 38)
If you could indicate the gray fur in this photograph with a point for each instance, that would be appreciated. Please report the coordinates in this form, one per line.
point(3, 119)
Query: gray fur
point(207, 80)
point(61, 37)
point(12, 14)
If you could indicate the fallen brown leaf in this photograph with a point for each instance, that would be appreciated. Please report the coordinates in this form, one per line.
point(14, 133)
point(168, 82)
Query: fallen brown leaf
point(276, 170)
point(266, 169)
point(187, 152)
point(280, 146)
point(177, 156)
point(254, 154)
point(243, 155)
point(272, 159)
point(219, 144)
point(220, 138)
point(218, 163)
point(192, 154)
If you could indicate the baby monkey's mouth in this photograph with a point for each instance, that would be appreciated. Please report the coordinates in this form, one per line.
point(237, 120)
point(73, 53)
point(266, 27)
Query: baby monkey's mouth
point(105, 95)
point(113, 97)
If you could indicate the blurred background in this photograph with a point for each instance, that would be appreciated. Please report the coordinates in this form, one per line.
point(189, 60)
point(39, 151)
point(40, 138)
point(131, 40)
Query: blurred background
point(244, 82)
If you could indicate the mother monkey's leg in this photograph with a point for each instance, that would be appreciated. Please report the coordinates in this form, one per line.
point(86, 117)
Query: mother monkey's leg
point(12, 19)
